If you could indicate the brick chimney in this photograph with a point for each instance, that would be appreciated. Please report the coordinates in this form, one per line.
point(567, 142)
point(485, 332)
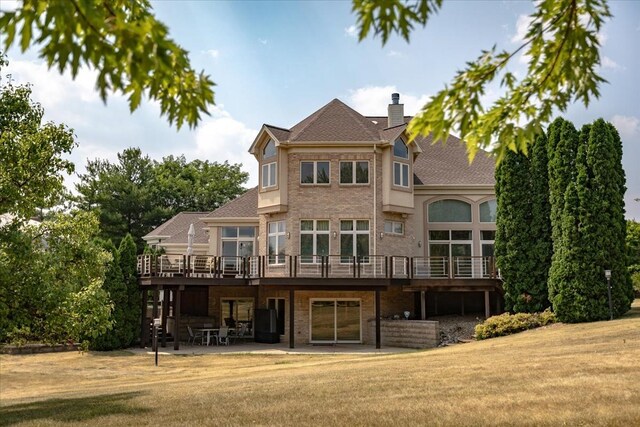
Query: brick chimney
point(395, 111)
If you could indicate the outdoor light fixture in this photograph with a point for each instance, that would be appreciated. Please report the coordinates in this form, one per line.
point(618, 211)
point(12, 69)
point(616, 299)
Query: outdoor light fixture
point(607, 274)
point(335, 234)
point(381, 234)
point(288, 235)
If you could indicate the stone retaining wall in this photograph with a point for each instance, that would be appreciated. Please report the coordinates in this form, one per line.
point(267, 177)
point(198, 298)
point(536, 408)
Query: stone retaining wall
point(407, 333)
point(37, 348)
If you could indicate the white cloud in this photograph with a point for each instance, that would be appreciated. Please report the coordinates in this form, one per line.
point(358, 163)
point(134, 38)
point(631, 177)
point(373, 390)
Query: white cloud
point(373, 100)
point(214, 53)
point(609, 63)
point(628, 126)
point(9, 5)
point(522, 25)
point(395, 53)
point(351, 31)
point(221, 138)
point(263, 41)
point(602, 38)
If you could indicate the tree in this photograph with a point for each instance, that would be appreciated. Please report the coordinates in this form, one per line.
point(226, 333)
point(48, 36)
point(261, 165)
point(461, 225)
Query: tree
point(121, 39)
point(51, 280)
point(32, 166)
point(593, 232)
point(562, 150)
point(137, 194)
point(523, 248)
point(128, 259)
point(121, 194)
point(563, 50)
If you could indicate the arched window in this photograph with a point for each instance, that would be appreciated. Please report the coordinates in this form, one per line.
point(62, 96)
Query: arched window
point(400, 149)
point(269, 150)
point(449, 210)
point(488, 211)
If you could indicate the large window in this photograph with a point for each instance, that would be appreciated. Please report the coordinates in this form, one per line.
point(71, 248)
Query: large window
point(314, 240)
point(449, 211)
point(453, 246)
point(269, 150)
point(269, 172)
point(400, 149)
point(276, 237)
point(354, 239)
point(237, 242)
point(488, 211)
point(354, 172)
point(400, 174)
point(335, 320)
point(314, 172)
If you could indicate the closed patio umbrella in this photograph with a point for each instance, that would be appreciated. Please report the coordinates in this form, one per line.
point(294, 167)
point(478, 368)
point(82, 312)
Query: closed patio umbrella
point(190, 235)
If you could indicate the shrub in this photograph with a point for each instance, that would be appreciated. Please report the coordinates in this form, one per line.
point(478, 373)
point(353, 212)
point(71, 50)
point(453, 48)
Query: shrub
point(507, 324)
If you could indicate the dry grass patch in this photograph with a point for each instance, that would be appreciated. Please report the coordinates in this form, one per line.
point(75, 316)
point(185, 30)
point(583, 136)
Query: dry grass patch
point(586, 374)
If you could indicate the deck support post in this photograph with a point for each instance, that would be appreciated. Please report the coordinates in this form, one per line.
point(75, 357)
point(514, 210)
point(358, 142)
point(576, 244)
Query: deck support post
point(176, 317)
point(423, 305)
point(497, 303)
point(487, 307)
point(378, 318)
point(165, 312)
point(291, 318)
point(156, 296)
point(462, 302)
point(144, 326)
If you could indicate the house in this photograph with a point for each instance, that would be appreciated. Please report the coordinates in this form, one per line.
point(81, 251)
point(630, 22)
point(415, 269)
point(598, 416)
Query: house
point(350, 224)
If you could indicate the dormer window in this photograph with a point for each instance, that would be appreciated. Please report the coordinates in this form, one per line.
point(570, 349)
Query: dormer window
point(400, 149)
point(269, 150)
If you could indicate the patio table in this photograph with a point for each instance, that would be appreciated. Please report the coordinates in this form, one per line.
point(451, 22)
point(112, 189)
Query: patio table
point(208, 331)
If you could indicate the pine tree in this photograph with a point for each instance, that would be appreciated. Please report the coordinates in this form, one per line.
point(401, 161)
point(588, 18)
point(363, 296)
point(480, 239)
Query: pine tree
point(114, 286)
point(562, 149)
point(513, 188)
point(128, 259)
point(593, 232)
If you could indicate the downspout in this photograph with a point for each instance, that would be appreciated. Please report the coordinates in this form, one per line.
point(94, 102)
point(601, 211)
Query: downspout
point(375, 201)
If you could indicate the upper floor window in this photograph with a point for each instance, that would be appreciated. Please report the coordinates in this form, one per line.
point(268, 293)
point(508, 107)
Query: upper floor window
point(488, 211)
point(237, 242)
point(400, 149)
point(401, 174)
point(269, 172)
point(449, 211)
point(314, 172)
point(276, 244)
point(394, 227)
point(354, 172)
point(269, 150)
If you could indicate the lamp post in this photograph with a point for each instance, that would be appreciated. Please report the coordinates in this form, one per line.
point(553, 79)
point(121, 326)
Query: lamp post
point(607, 274)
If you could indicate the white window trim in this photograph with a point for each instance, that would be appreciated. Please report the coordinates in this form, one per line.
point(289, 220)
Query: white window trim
point(335, 333)
point(275, 149)
point(277, 248)
point(402, 166)
point(353, 172)
point(266, 172)
point(393, 223)
point(394, 149)
point(315, 233)
point(315, 172)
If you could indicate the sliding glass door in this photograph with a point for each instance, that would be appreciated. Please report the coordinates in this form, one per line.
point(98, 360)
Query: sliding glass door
point(334, 321)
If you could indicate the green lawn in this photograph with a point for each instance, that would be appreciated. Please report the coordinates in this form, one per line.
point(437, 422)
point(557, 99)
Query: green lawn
point(585, 374)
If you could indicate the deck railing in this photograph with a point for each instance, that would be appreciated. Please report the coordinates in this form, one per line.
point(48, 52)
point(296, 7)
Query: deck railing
point(321, 266)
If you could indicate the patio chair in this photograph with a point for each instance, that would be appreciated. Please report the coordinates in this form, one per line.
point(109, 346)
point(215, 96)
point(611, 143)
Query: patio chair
point(193, 336)
point(223, 336)
point(241, 332)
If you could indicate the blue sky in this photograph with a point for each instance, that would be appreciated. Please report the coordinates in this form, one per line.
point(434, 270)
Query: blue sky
point(277, 62)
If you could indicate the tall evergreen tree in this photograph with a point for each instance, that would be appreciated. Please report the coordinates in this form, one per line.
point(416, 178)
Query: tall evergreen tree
point(127, 252)
point(561, 148)
point(593, 232)
point(114, 286)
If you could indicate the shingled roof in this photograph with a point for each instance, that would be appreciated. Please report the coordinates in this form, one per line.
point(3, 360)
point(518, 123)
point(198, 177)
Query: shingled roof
point(245, 206)
point(176, 229)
